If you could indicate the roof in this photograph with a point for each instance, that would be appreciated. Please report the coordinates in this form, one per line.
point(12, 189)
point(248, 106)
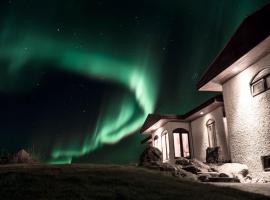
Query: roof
point(252, 31)
point(154, 121)
point(147, 140)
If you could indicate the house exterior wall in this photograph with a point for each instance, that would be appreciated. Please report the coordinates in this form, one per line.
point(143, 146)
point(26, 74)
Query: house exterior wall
point(248, 118)
point(169, 127)
point(200, 134)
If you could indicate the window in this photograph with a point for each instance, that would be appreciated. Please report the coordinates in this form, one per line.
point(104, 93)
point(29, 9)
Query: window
point(268, 81)
point(156, 142)
point(261, 82)
point(185, 145)
point(211, 129)
point(181, 143)
point(165, 146)
point(177, 145)
point(266, 163)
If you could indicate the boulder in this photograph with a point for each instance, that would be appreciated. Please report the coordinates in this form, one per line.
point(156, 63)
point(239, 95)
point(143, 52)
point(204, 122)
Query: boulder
point(233, 170)
point(181, 173)
point(204, 177)
point(191, 168)
point(224, 175)
point(203, 167)
point(151, 156)
point(182, 161)
point(167, 167)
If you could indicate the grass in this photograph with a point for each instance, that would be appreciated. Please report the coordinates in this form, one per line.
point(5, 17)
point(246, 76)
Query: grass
point(81, 182)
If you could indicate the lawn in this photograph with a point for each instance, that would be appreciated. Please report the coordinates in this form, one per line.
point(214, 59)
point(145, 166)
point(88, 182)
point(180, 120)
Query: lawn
point(80, 182)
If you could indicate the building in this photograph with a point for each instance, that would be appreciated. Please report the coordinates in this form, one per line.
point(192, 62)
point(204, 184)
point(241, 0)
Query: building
point(189, 135)
point(241, 72)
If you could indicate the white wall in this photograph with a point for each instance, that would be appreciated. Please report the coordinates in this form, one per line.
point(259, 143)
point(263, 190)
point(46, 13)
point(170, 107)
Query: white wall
point(248, 118)
point(200, 134)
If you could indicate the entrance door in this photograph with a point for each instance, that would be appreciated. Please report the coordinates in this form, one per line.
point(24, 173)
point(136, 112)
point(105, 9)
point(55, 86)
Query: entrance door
point(181, 143)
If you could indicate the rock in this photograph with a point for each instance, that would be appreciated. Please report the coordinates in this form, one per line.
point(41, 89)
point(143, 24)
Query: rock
point(204, 177)
point(203, 167)
point(224, 180)
point(246, 179)
point(182, 161)
point(179, 172)
point(244, 172)
point(233, 170)
point(167, 167)
point(212, 154)
point(224, 175)
point(151, 156)
point(191, 168)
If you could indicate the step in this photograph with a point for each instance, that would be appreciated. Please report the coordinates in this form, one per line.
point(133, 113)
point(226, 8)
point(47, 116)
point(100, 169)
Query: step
point(224, 179)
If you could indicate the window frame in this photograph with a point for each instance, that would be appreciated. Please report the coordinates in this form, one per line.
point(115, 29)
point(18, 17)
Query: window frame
point(180, 132)
point(167, 145)
point(261, 76)
point(208, 124)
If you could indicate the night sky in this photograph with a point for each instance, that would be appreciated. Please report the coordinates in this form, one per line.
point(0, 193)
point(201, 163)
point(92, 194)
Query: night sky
point(78, 77)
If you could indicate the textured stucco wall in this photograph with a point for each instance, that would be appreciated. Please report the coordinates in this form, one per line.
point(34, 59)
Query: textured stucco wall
point(200, 134)
point(248, 118)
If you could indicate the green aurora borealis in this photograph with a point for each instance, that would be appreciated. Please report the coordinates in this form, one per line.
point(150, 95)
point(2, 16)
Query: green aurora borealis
point(136, 57)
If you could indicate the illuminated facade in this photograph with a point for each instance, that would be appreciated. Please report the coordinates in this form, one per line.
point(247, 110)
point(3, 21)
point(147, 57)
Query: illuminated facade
point(241, 72)
point(189, 135)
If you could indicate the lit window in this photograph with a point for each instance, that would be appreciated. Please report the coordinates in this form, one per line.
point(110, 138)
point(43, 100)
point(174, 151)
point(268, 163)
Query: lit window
point(261, 82)
point(177, 145)
point(181, 143)
point(165, 146)
point(211, 129)
point(268, 82)
point(185, 144)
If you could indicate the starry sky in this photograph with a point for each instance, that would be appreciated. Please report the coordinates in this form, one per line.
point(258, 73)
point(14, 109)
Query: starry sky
point(78, 77)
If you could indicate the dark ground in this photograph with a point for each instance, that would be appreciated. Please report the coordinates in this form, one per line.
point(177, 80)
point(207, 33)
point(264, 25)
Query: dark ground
point(80, 182)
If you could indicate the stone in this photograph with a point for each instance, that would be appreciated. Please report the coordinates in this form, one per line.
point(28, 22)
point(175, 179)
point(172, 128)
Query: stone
point(182, 161)
point(212, 154)
point(150, 156)
point(191, 168)
point(179, 172)
point(224, 180)
point(224, 175)
point(204, 177)
point(203, 167)
point(167, 167)
point(233, 170)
